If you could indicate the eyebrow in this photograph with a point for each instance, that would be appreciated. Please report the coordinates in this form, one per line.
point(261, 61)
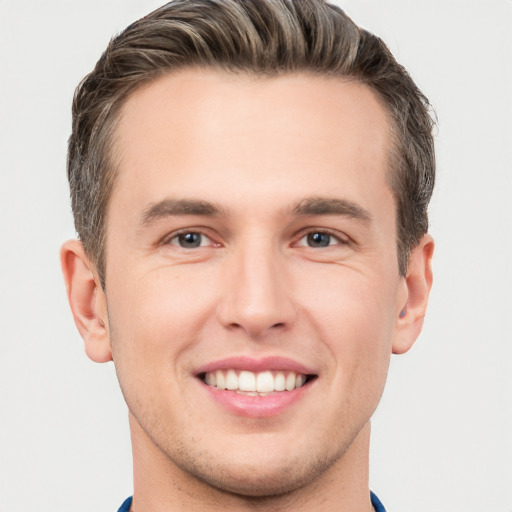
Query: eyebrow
point(331, 206)
point(307, 206)
point(170, 207)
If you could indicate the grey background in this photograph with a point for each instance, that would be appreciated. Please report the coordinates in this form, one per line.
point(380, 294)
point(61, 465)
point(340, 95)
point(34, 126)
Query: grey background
point(442, 435)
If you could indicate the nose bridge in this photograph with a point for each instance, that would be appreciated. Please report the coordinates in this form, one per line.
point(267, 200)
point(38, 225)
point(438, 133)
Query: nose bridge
point(256, 297)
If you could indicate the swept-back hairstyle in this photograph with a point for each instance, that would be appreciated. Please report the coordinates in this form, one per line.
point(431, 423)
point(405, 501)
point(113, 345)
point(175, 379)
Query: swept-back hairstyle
point(260, 37)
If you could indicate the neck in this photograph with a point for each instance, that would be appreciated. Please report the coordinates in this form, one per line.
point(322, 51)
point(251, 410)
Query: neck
point(161, 486)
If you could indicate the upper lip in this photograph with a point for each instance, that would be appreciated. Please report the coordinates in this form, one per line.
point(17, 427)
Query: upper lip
point(255, 365)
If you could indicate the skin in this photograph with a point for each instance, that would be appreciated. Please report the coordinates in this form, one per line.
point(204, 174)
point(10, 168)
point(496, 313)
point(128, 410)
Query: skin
point(254, 149)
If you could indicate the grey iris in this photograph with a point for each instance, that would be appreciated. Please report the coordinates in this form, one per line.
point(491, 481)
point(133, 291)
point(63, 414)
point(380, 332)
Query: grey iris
point(189, 240)
point(319, 239)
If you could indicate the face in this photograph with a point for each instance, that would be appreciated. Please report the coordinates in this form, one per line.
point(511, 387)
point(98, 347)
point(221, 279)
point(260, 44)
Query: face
point(252, 282)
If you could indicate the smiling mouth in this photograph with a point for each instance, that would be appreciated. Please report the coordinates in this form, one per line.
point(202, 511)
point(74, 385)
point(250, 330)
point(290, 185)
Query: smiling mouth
point(249, 383)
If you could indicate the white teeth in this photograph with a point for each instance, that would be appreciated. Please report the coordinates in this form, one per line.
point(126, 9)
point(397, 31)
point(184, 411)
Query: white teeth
point(265, 382)
point(279, 382)
point(231, 380)
point(219, 377)
point(248, 393)
point(247, 381)
point(254, 384)
point(290, 382)
point(210, 379)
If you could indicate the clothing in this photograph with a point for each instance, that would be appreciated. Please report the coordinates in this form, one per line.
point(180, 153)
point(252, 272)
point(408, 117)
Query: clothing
point(125, 507)
point(377, 505)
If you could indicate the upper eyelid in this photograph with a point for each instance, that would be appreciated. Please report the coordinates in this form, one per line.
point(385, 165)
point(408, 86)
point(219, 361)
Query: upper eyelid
point(207, 232)
point(199, 230)
point(342, 237)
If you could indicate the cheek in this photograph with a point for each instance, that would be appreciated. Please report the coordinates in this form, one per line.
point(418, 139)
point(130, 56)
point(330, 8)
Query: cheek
point(155, 326)
point(156, 320)
point(353, 316)
point(349, 302)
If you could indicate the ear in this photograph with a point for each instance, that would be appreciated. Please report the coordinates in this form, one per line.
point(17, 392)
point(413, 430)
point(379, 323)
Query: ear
point(87, 300)
point(417, 284)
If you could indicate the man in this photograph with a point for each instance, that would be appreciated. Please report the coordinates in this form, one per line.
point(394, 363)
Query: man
point(250, 181)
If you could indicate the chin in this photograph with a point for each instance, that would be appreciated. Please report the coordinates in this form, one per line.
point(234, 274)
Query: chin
point(263, 478)
point(258, 484)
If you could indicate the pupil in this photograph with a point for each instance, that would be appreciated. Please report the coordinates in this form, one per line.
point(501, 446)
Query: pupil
point(189, 240)
point(319, 239)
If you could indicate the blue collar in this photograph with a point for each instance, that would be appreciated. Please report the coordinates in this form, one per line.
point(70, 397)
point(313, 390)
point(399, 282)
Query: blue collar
point(377, 505)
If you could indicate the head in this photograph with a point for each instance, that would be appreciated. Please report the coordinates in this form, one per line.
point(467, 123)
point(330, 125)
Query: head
point(257, 38)
point(250, 181)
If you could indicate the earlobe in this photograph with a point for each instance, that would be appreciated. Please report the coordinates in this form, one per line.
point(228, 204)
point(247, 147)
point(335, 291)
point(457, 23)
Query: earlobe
point(87, 301)
point(418, 283)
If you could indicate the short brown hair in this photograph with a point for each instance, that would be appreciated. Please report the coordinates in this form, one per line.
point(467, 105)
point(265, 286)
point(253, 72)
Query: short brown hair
point(261, 37)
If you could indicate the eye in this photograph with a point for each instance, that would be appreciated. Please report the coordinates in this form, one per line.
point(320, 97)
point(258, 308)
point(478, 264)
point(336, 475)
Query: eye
point(190, 240)
point(319, 239)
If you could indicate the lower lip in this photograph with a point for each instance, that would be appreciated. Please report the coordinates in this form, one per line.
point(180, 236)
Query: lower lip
point(256, 406)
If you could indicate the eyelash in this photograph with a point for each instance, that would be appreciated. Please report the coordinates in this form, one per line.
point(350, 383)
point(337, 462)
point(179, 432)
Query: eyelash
point(176, 235)
point(339, 240)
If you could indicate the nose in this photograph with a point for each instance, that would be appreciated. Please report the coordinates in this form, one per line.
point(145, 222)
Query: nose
point(257, 295)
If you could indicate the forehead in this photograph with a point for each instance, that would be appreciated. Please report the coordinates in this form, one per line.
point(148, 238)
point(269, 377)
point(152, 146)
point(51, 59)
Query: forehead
point(218, 131)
